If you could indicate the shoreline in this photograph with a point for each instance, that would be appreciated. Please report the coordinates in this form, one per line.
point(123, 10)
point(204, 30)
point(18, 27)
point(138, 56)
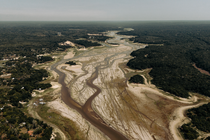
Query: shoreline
point(76, 76)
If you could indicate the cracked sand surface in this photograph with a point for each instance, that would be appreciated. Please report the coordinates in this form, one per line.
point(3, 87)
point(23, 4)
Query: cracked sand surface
point(138, 111)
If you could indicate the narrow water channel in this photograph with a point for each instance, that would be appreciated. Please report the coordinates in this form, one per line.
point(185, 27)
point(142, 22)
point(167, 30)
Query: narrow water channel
point(86, 110)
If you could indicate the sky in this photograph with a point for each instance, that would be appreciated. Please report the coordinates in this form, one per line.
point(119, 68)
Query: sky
point(103, 10)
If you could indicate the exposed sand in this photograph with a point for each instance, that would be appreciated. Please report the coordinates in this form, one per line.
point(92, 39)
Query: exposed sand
point(8, 75)
point(69, 55)
point(108, 102)
point(85, 127)
point(92, 133)
point(178, 119)
point(153, 89)
point(82, 49)
point(78, 92)
point(55, 85)
point(54, 74)
point(139, 111)
point(77, 69)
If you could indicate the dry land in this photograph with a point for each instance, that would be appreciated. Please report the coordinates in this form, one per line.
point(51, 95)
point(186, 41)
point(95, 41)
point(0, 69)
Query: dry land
point(138, 111)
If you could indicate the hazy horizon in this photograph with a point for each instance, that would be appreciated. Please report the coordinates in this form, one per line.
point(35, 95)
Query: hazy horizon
point(109, 10)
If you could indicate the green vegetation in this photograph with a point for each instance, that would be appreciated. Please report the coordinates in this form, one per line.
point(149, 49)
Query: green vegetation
point(208, 138)
point(43, 59)
point(71, 63)
point(101, 38)
point(34, 38)
point(200, 117)
point(14, 124)
point(171, 70)
point(173, 49)
point(65, 125)
point(24, 80)
point(183, 45)
point(136, 79)
point(188, 132)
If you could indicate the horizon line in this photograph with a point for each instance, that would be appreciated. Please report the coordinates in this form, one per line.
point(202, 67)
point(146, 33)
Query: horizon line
point(92, 20)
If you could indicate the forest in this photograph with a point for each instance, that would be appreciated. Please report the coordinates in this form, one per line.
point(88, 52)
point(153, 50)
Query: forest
point(86, 43)
point(200, 117)
point(136, 79)
point(172, 50)
point(188, 132)
point(70, 63)
point(21, 46)
point(13, 122)
point(34, 38)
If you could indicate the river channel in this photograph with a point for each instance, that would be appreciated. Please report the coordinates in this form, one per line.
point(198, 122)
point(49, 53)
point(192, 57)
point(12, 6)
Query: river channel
point(86, 110)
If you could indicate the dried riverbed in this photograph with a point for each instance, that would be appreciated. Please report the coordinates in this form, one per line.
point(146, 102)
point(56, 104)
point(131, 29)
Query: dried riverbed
point(98, 91)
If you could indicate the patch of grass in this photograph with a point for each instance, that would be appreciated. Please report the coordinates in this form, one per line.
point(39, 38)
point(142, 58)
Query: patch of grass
point(160, 104)
point(58, 137)
point(2, 63)
point(67, 126)
point(77, 52)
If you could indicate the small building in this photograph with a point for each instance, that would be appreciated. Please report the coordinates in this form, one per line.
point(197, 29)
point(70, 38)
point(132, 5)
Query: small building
point(22, 124)
point(2, 108)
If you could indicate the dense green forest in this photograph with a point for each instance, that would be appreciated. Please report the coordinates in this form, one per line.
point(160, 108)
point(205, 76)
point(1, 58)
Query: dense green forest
point(180, 46)
point(33, 38)
point(136, 79)
point(100, 38)
point(24, 79)
point(172, 70)
point(71, 63)
point(200, 117)
point(14, 124)
point(188, 132)
point(86, 43)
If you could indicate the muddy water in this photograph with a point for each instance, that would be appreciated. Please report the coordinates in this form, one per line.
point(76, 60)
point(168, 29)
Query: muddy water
point(86, 110)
